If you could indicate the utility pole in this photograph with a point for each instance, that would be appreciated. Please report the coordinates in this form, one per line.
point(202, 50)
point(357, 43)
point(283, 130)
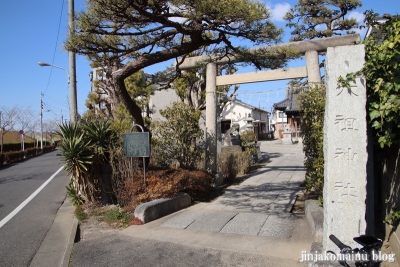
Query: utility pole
point(72, 66)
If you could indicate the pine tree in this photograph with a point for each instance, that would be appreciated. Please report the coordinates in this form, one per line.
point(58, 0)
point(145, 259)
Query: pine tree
point(312, 19)
point(143, 33)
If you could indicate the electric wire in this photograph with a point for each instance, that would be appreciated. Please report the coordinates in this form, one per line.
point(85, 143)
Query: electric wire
point(59, 102)
point(48, 109)
point(55, 47)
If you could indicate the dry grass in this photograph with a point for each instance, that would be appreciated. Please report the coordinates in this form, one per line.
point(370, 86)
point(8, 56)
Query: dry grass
point(163, 183)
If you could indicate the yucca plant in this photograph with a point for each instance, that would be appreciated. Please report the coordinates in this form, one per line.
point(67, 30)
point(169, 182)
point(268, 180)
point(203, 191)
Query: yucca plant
point(85, 151)
point(78, 158)
point(75, 149)
point(73, 195)
point(102, 137)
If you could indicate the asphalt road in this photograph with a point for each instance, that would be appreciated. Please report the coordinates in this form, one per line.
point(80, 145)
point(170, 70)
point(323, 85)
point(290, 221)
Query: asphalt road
point(22, 235)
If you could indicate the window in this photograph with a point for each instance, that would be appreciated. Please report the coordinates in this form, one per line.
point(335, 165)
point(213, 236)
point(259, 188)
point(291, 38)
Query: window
point(225, 126)
point(102, 105)
point(282, 114)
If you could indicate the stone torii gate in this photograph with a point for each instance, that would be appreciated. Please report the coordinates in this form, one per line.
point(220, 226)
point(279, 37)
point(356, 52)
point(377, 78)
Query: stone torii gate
point(311, 70)
point(345, 138)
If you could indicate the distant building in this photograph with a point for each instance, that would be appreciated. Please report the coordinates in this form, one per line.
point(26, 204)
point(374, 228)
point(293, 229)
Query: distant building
point(288, 111)
point(239, 112)
point(104, 105)
point(160, 100)
point(377, 32)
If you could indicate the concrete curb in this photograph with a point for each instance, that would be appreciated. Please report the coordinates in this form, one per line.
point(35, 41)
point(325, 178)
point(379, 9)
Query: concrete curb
point(158, 208)
point(315, 218)
point(70, 243)
point(57, 246)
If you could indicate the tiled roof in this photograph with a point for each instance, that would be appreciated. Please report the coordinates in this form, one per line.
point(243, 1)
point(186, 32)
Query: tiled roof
point(291, 103)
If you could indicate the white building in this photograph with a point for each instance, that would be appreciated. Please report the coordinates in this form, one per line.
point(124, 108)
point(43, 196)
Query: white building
point(239, 112)
point(97, 75)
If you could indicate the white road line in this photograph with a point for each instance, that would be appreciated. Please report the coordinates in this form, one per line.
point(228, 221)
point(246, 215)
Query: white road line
point(23, 204)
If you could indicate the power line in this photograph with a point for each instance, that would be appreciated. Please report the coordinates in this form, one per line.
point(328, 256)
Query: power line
point(55, 47)
point(60, 103)
point(50, 111)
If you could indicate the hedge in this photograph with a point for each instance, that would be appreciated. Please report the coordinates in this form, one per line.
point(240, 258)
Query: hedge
point(16, 146)
point(30, 152)
point(13, 156)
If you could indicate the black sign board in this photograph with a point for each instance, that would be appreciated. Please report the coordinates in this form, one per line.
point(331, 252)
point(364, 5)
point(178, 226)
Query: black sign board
point(137, 144)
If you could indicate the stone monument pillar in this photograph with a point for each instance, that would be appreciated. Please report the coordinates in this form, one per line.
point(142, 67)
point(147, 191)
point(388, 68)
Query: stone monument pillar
point(287, 135)
point(211, 118)
point(345, 148)
point(232, 140)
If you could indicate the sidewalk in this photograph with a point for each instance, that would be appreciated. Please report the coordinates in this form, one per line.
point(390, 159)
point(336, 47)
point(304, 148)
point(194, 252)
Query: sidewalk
point(260, 205)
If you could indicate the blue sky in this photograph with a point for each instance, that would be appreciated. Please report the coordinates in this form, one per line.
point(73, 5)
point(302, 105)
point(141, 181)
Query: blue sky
point(33, 31)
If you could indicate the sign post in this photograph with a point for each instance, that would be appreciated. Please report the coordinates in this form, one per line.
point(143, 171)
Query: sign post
point(137, 145)
point(21, 132)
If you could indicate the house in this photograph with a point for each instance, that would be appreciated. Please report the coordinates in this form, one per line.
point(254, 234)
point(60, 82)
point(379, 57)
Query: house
point(234, 111)
point(277, 121)
point(247, 116)
point(288, 111)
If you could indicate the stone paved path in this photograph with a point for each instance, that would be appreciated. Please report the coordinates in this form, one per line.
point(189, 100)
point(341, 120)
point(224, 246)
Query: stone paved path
point(259, 206)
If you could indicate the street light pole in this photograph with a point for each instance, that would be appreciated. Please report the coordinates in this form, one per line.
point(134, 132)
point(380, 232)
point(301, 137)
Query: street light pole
point(44, 64)
point(73, 101)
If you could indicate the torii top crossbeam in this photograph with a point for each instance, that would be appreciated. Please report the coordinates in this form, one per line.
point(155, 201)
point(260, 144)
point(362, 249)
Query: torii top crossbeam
point(319, 45)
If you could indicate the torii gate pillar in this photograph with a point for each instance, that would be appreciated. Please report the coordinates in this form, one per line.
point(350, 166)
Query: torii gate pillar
point(211, 121)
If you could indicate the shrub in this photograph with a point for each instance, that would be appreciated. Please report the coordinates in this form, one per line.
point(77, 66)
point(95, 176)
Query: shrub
point(74, 197)
point(2, 158)
point(30, 152)
point(48, 148)
point(312, 121)
point(249, 142)
point(382, 72)
point(233, 164)
point(14, 156)
point(175, 138)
